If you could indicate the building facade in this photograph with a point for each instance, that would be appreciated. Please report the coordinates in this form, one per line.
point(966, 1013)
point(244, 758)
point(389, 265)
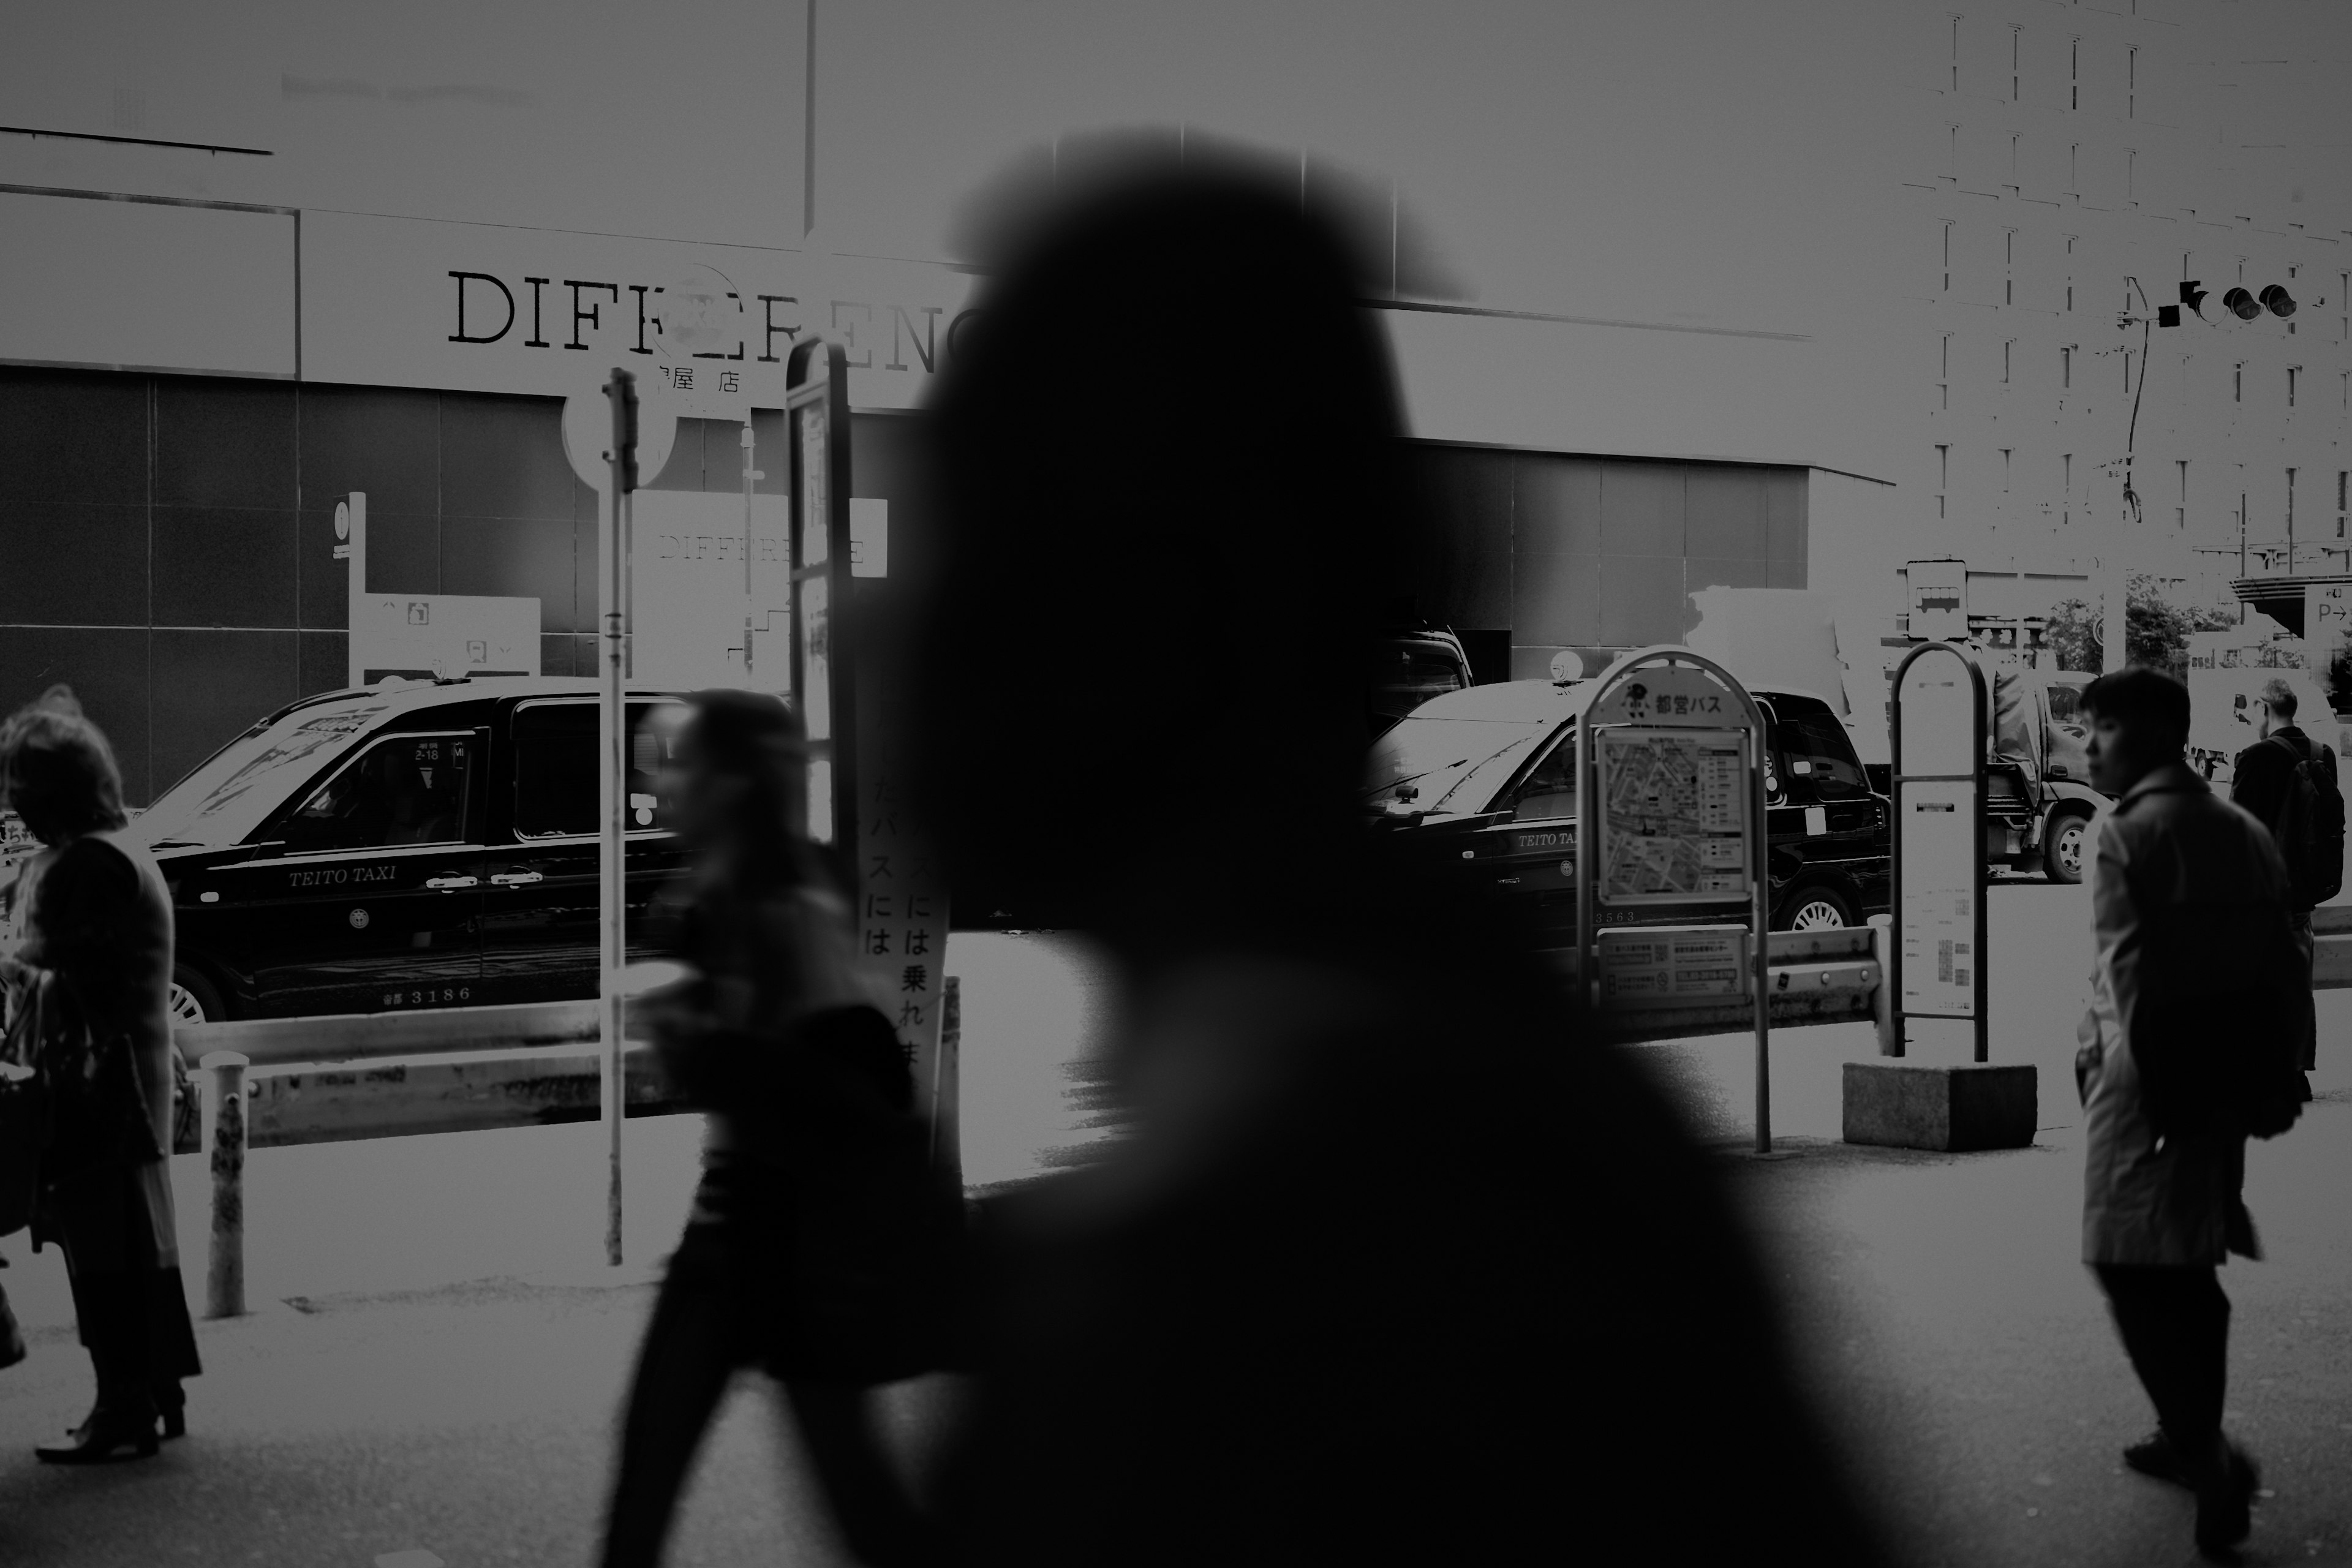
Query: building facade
point(2072, 166)
point(1681, 292)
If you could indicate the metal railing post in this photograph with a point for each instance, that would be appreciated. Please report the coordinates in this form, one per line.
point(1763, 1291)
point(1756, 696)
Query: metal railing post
point(225, 1144)
point(1882, 1001)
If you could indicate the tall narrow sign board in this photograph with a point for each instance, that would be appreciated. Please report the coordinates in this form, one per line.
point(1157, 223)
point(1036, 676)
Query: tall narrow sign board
point(1940, 714)
point(1670, 759)
point(823, 669)
point(857, 724)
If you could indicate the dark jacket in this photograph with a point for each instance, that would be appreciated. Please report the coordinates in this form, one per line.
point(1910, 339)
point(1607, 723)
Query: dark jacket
point(2264, 769)
point(98, 916)
point(818, 1196)
point(1394, 1268)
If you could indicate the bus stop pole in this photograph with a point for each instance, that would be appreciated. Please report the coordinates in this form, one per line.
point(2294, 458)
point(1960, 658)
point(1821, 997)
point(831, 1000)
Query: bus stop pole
point(613, 788)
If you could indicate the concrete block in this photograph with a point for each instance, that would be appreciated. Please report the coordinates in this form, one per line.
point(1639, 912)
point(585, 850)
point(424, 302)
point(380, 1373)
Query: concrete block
point(1899, 1105)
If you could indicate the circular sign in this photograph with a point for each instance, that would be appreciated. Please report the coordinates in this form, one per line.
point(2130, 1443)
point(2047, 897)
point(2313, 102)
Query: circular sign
point(343, 520)
point(702, 314)
point(588, 432)
point(359, 920)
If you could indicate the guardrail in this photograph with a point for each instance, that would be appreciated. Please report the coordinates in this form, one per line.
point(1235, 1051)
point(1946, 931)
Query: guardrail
point(277, 1081)
point(384, 1075)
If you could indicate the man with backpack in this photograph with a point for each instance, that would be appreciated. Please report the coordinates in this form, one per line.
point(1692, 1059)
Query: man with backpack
point(2188, 1048)
point(2288, 782)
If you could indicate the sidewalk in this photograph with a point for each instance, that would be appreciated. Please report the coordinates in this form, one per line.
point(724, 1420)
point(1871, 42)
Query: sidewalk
point(1969, 1362)
point(473, 1421)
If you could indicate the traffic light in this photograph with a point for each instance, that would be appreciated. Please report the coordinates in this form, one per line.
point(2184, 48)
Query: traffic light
point(2192, 296)
point(2246, 307)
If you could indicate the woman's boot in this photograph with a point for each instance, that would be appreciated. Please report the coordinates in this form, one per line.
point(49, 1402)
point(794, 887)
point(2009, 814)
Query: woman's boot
point(122, 1425)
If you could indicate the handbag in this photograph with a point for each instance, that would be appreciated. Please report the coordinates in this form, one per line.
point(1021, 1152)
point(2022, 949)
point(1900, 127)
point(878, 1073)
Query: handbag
point(97, 1111)
point(23, 1112)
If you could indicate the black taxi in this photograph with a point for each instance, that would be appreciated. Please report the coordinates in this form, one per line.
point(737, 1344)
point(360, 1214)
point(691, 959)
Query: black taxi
point(1482, 783)
point(426, 845)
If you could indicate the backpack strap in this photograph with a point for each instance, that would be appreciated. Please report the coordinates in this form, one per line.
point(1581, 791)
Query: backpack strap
point(2308, 752)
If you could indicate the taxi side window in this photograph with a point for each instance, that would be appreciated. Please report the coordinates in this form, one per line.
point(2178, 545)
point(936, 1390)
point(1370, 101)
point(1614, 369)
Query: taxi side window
point(1818, 751)
point(405, 789)
point(1549, 789)
point(555, 770)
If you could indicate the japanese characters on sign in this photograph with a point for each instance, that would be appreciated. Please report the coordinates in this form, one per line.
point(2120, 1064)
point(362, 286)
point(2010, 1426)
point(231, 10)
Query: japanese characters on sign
point(902, 913)
point(1662, 966)
point(1668, 694)
point(813, 624)
point(1939, 889)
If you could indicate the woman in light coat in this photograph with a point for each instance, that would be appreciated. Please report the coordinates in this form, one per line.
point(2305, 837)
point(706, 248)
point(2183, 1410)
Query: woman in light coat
point(2188, 897)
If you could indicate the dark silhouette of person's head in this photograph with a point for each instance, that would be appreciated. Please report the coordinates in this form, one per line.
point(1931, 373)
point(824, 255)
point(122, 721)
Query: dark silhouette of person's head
point(1169, 484)
point(736, 785)
point(57, 771)
point(2139, 721)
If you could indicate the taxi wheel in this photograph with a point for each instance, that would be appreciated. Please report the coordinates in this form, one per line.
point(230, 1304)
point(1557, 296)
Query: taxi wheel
point(1815, 909)
point(2062, 852)
point(192, 999)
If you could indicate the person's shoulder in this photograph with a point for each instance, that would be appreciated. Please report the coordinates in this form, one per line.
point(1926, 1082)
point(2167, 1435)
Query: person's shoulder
point(91, 859)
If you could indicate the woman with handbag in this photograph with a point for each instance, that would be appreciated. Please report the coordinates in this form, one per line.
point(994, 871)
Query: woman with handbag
point(97, 963)
point(816, 1234)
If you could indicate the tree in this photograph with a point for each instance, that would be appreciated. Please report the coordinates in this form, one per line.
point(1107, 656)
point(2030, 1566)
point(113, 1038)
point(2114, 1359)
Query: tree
point(2156, 630)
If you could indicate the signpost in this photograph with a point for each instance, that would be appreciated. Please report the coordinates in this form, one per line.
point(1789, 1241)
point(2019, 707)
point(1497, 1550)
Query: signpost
point(1940, 717)
point(816, 424)
point(613, 780)
point(857, 725)
point(1938, 955)
point(1671, 756)
point(1940, 597)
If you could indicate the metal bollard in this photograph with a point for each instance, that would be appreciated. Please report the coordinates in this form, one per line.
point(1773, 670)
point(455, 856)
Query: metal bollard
point(224, 1140)
point(1882, 1003)
point(947, 1142)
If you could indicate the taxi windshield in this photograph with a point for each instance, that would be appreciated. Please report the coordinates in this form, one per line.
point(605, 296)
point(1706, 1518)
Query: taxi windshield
point(231, 792)
point(1453, 765)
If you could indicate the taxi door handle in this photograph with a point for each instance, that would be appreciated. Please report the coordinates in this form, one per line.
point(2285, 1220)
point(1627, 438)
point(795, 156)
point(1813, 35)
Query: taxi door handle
point(515, 878)
point(447, 884)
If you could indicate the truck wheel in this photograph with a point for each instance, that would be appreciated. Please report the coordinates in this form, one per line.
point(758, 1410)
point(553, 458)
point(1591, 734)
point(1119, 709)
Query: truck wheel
point(193, 999)
point(2062, 849)
point(1814, 909)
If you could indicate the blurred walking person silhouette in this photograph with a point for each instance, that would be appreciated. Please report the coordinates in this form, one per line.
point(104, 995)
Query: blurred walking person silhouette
point(815, 1219)
point(1393, 1267)
point(97, 963)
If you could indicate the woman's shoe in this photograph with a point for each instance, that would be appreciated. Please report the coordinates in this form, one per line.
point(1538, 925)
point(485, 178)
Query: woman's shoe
point(99, 1440)
point(176, 1421)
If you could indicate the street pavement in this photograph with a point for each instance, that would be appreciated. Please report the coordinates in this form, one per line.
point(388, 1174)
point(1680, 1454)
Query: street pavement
point(436, 1353)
